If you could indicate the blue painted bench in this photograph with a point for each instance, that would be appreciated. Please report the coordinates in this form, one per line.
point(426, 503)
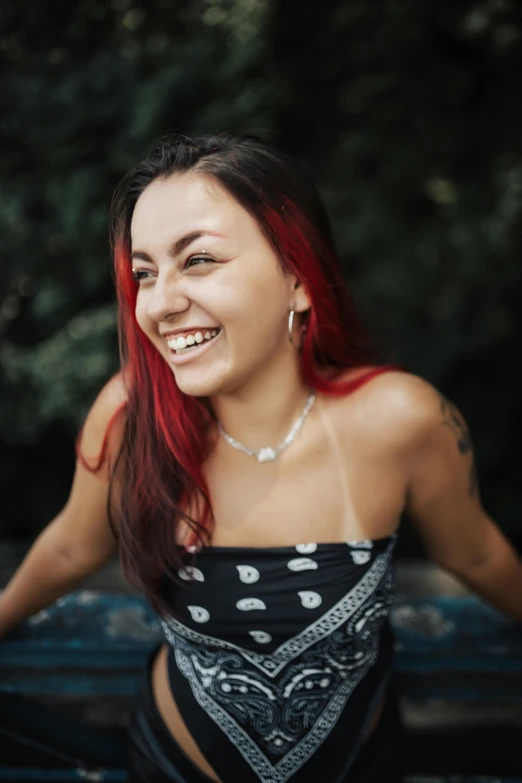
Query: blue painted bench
point(69, 674)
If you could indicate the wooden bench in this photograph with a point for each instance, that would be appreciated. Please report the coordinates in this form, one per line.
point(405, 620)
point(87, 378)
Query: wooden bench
point(68, 675)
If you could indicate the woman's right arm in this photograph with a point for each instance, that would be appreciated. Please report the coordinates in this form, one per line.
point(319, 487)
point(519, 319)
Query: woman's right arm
point(79, 540)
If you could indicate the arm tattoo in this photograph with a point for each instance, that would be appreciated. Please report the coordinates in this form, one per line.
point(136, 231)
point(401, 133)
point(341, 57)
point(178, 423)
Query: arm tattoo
point(453, 420)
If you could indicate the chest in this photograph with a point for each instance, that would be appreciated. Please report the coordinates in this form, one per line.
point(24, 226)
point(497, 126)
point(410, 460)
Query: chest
point(337, 482)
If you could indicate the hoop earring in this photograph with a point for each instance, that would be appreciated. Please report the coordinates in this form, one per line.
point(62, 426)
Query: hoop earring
point(290, 325)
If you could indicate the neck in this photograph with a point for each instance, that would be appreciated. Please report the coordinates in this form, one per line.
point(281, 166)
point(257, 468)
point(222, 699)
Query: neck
point(264, 413)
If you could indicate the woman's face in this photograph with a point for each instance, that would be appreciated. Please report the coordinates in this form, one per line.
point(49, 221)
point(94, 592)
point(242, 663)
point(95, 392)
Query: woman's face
point(203, 264)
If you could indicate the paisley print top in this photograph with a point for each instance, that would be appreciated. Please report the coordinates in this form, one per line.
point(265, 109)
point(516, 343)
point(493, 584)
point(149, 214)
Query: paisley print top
point(279, 656)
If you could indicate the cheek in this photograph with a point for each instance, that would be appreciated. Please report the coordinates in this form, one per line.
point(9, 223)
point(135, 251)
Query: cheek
point(139, 312)
point(253, 312)
point(144, 321)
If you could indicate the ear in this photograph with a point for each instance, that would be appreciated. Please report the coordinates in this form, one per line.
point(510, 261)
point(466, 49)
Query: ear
point(299, 299)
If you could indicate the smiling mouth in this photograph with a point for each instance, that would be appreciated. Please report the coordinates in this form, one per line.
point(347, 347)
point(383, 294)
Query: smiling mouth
point(181, 345)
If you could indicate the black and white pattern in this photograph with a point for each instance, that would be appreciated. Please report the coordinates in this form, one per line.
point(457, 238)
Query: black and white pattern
point(248, 574)
point(360, 557)
point(261, 636)
point(249, 604)
point(306, 549)
point(367, 544)
point(199, 614)
point(310, 599)
point(277, 708)
point(302, 564)
point(189, 573)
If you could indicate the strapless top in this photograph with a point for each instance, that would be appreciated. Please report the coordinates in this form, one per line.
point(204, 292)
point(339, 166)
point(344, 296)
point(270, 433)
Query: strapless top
point(279, 656)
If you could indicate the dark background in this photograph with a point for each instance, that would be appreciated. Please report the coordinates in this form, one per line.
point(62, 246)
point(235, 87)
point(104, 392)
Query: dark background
point(407, 114)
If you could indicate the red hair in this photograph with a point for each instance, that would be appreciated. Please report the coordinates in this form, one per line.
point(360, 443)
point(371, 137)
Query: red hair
point(166, 431)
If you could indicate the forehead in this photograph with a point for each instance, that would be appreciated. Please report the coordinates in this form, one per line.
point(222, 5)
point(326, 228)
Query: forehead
point(169, 207)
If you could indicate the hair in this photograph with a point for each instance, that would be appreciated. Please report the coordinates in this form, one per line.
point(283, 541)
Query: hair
point(165, 437)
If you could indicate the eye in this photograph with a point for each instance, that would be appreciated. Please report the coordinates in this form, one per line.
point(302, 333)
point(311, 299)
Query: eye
point(204, 258)
point(140, 274)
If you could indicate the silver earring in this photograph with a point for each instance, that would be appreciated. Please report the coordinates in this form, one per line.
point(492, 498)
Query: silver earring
point(290, 325)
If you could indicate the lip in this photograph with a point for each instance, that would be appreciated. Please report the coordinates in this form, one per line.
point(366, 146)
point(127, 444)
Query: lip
point(185, 358)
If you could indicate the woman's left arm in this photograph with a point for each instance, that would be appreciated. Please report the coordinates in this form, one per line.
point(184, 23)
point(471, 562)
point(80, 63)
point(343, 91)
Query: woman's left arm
point(443, 501)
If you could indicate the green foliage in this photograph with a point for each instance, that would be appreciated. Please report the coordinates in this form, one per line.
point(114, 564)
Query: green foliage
point(408, 117)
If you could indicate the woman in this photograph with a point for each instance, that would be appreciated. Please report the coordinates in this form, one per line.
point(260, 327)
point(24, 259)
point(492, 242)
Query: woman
point(251, 463)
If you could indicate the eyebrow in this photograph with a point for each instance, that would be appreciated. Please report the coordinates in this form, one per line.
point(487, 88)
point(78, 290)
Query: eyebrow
point(179, 245)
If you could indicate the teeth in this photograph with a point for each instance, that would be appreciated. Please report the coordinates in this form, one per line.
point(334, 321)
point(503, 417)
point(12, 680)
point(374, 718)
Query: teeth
point(185, 350)
point(190, 341)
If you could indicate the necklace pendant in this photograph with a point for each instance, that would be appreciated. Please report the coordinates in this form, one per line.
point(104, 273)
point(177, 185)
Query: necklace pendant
point(266, 454)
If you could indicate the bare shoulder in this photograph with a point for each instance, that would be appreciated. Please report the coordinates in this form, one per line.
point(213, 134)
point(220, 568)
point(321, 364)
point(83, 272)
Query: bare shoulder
point(105, 419)
point(114, 393)
point(83, 529)
point(404, 398)
point(398, 403)
point(408, 420)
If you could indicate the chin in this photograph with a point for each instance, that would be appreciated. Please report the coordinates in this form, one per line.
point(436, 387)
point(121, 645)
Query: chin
point(195, 385)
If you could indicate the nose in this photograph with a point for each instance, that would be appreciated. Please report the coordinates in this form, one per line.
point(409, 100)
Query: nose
point(167, 298)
